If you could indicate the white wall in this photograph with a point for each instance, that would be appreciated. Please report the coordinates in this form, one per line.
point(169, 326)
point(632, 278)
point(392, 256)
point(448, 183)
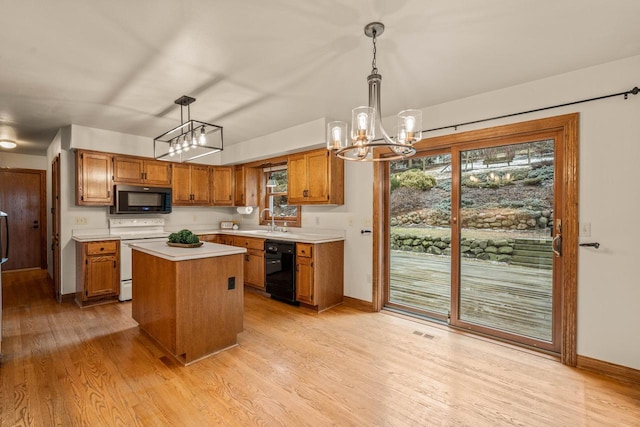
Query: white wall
point(22, 161)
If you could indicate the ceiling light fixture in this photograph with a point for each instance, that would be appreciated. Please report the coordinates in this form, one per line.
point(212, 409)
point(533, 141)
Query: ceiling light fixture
point(365, 120)
point(192, 136)
point(271, 182)
point(7, 143)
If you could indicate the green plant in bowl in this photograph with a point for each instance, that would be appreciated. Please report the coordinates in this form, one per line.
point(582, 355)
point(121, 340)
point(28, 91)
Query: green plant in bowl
point(183, 236)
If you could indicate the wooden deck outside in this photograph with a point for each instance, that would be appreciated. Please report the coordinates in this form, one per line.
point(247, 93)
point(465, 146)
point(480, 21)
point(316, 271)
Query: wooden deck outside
point(506, 297)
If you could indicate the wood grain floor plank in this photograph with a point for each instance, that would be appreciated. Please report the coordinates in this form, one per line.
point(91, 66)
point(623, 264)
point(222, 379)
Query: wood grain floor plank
point(69, 366)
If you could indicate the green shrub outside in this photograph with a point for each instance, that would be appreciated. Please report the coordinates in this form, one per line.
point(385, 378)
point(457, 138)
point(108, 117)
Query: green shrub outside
point(417, 179)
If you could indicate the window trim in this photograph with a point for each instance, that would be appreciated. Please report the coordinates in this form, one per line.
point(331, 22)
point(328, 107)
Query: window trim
point(265, 219)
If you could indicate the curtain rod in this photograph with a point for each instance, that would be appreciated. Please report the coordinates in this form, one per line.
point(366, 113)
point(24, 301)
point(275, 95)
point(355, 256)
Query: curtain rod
point(626, 94)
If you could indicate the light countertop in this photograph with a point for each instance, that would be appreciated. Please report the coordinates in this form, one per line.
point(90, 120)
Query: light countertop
point(171, 253)
point(291, 236)
point(94, 237)
point(278, 235)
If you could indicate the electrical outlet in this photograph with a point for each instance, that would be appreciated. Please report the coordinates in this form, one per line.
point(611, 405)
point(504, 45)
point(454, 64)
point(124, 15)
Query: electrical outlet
point(350, 221)
point(585, 229)
point(367, 222)
point(80, 220)
point(231, 283)
point(317, 220)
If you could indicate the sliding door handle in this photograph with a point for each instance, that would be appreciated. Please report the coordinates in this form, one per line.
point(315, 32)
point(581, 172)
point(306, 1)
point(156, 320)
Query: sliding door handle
point(556, 245)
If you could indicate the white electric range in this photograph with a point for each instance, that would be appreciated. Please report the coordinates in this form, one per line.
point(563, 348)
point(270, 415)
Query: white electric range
point(132, 230)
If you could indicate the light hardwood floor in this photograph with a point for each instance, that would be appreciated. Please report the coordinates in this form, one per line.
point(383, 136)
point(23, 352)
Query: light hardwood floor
point(67, 366)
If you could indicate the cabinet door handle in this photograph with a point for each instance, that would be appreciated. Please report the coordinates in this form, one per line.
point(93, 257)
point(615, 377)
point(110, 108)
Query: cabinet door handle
point(114, 263)
point(246, 257)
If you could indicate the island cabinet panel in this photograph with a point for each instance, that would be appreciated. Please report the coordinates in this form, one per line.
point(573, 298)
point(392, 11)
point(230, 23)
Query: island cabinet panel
point(134, 170)
point(222, 186)
point(315, 177)
point(97, 272)
point(320, 274)
point(94, 178)
point(190, 307)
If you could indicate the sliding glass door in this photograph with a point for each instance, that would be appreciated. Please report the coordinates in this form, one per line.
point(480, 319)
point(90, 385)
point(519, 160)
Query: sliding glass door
point(471, 237)
point(506, 226)
point(420, 235)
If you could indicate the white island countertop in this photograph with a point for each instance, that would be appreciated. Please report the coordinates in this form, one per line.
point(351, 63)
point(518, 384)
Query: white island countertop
point(171, 253)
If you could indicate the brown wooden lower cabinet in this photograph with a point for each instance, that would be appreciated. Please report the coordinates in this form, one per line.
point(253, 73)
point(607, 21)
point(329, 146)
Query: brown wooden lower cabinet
point(253, 260)
point(320, 274)
point(211, 238)
point(319, 268)
point(97, 272)
point(192, 308)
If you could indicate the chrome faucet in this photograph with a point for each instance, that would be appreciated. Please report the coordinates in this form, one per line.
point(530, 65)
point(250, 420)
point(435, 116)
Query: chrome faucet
point(272, 226)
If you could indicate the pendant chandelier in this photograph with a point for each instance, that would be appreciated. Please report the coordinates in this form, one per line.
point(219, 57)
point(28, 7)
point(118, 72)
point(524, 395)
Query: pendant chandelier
point(360, 143)
point(190, 140)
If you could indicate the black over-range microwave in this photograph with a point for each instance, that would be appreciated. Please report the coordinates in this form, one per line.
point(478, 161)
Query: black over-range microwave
point(138, 199)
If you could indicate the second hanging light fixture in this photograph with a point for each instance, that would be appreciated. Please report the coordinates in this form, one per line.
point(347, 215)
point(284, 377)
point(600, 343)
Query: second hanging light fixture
point(365, 120)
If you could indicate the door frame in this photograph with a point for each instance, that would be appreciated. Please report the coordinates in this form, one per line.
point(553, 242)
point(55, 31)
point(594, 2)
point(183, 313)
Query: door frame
point(42, 221)
point(56, 227)
point(567, 126)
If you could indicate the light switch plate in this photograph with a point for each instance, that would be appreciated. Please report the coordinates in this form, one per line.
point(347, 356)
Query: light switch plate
point(585, 229)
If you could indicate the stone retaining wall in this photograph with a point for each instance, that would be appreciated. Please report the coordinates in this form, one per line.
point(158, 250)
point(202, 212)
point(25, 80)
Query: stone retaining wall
point(495, 219)
point(484, 249)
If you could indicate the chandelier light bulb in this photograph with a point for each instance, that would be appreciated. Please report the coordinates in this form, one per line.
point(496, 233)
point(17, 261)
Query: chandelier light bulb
point(362, 121)
point(336, 132)
point(409, 123)
point(203, 137)
point(402, 136)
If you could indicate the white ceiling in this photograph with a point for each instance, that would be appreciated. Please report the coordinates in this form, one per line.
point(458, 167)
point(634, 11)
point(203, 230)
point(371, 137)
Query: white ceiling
point(259, 66)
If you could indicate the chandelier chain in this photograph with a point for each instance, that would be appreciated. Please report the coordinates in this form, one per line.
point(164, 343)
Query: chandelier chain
point(374, 67)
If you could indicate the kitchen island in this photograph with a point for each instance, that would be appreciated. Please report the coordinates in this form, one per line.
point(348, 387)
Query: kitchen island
point(189, 300)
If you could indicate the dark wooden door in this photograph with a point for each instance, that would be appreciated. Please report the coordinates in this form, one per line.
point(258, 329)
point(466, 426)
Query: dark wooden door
point(22, 196)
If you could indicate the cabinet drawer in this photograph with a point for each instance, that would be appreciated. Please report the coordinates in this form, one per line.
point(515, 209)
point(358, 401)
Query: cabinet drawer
point(249, 242)
point(304, 250)
point(100, 248)
point(212, 238)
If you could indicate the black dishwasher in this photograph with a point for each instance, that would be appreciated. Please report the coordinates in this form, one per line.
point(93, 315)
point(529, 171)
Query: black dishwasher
point(280, 270)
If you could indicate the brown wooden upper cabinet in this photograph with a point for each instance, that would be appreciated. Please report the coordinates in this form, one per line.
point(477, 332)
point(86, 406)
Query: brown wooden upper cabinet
point(134, 170)
point(222, 185)
point(94, 173)
point(247, 181)
point(315, 177)
point(191, 185)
